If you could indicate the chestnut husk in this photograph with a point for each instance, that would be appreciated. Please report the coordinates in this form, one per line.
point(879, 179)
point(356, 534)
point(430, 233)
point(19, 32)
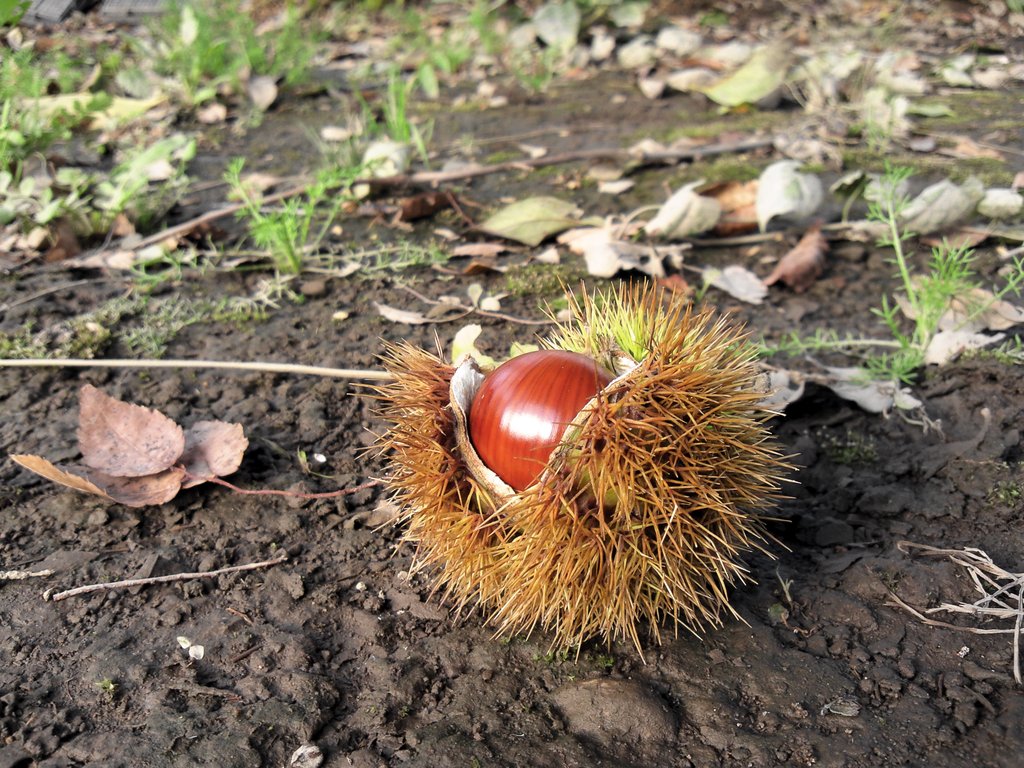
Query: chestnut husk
point(644, 509)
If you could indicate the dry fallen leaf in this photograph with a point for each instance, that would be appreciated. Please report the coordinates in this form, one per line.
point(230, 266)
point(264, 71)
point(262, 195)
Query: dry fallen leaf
point(738, 200)
point(685, 213)
point(803, 264)
point(134, 455)
point(870, 394)
point(52, 472)
point(531, 220)
point(131, 491)
point(739, 282)
point(212, 449)
point(423, 205)
point(401, 315)
point(947, 345)
point(784, 191)
point(606, 255)
point(478, 250)
point(676, 284)
point(158, 488)
point(125, 440)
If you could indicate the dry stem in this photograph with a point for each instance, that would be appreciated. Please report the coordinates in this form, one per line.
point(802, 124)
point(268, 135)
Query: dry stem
point(19, 575)
point(1002, 595)
point(262, 367)
point(54, 597)
point(434, 178)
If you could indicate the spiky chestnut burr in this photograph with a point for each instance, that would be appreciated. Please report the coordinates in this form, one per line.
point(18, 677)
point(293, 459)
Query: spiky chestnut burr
point(643, 510)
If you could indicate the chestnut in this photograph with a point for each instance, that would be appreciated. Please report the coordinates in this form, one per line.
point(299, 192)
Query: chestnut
point(523, 408)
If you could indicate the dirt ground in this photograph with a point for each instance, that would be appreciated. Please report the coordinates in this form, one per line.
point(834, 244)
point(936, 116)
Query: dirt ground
point(339, 647)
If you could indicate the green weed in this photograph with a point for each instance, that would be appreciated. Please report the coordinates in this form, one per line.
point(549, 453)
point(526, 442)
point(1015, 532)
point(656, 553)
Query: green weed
point(208, 44)
point(298, 226)
point(852, 448)
point(11, 11)
point(1006, 493)
point(951, 275)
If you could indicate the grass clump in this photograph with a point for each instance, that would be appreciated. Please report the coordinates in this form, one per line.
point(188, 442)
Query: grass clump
point(206, 45)
point(298, 226)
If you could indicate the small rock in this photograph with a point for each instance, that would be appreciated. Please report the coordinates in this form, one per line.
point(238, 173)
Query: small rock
point(314, 288)
point(639, 52)
point(679, 41)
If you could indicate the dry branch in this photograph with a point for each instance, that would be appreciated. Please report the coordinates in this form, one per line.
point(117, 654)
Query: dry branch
point(128, 583)
point(261, 367)
point(434, 178)
point(999, 590)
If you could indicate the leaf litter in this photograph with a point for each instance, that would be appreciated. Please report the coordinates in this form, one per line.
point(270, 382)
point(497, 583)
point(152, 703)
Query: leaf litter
point(137, 456)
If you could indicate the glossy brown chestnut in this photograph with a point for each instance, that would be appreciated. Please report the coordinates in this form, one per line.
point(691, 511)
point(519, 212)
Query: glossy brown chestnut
point(522, 410)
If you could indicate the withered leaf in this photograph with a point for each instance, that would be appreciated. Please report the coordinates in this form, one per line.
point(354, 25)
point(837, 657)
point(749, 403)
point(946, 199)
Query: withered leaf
point(125, 440)
point(52, 472)
point(739, 209)
point(423, 205)
point(803, 264)
point(212, 449)
point(131, 491)
point(157, 488)
point(480, 250)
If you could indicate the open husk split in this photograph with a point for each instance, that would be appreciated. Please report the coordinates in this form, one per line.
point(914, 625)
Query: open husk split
point(644, 510)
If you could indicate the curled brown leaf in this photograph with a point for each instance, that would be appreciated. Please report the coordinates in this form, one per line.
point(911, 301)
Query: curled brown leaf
point(212, 449)
point(803, 264)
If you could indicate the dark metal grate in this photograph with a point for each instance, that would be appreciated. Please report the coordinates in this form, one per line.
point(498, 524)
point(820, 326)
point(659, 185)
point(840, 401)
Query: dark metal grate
point(54, 11)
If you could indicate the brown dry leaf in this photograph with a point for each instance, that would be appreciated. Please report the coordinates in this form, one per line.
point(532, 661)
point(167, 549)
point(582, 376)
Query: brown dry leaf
point(423, 205)
point(966, 237)
point(967, 147)
point(131, 491)
point(803, 264)
point(739, 206)
point(158, 488)
point(64, 242)
point(212, 449)
point(122, 226)
point(482, 250)
point(125, 440)
point(481, 266)
point(676, 284)
point(52, 472)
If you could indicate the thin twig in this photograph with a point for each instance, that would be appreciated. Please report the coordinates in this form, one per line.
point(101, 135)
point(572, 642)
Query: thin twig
point(127, 583)
point(293, 494)
point(45, 292)
point(262, 367)
point(474, 310)
point(19, 575)
point(440, 177)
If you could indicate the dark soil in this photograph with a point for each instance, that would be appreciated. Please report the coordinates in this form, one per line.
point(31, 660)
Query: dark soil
point(340, 647)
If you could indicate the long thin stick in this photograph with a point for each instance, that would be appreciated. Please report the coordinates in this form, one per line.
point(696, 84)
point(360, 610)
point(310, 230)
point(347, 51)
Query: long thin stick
point(263, 367)
point(440, 177)
point(49, 594)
